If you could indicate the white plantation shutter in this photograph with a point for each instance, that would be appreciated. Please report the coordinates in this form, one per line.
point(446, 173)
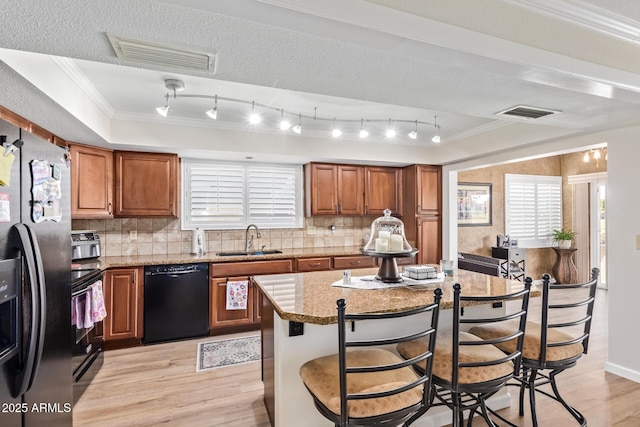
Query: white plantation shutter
point(272, 195)
point(220, 195)
point(533, 208)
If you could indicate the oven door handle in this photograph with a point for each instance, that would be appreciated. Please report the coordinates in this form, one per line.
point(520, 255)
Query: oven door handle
point(26, 242)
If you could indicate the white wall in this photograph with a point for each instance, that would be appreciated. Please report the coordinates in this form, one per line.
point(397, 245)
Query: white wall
point(623, 225)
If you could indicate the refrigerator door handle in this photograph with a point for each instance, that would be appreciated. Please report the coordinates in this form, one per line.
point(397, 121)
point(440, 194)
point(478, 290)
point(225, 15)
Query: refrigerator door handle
point(26, 242)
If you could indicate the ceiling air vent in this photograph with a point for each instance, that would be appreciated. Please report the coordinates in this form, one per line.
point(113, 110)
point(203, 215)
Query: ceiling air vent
point(163, 55)
point(524, 112)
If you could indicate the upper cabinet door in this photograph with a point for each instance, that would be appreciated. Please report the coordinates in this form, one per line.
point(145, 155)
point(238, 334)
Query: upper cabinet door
point(322, 184)
point(383, 190)
point(146, 184)
point(334, 189)
point(350, 190)
point(429, 190)
point(91, 182)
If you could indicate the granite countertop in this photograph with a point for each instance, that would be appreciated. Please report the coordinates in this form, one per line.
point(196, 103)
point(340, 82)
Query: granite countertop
point(310, 298)
point(142, 260)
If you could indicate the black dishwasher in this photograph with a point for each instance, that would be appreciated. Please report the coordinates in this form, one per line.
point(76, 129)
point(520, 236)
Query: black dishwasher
point(176, 302)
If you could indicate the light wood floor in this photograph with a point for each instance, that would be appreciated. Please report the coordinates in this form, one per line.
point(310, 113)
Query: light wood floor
point(158, 384)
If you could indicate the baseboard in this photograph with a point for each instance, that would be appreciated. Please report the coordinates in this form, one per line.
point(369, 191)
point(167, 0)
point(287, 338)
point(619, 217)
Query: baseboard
point(622, 371)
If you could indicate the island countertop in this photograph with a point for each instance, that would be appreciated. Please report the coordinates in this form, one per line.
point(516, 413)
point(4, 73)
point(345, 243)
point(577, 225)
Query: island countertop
point(310, 298)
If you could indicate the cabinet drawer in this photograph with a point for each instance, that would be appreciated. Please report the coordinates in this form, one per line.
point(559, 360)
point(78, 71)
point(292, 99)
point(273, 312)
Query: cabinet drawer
point(313, 264)
point(346, 262)
point(251, 268)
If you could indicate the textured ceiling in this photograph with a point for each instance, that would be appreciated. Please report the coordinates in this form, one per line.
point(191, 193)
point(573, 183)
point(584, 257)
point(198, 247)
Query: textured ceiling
point(462, 61)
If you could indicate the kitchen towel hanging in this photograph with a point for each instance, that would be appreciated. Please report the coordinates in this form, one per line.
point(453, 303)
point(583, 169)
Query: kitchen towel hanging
point(237, 294)
point(98, 310)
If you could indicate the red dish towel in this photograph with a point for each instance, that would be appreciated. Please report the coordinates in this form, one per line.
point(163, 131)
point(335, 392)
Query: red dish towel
point(237, 294)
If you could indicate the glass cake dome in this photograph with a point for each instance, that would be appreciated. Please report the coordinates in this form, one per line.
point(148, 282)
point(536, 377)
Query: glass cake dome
point(387, 236)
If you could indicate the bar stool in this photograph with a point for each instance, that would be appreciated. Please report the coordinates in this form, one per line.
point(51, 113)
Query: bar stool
point(467, 369)
point(553, 344)
point(372, 385)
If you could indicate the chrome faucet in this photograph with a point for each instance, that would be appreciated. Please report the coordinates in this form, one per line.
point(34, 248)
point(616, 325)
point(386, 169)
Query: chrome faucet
point(248, 242)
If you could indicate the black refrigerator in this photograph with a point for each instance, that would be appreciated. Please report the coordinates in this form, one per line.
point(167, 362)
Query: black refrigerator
point(35, 282)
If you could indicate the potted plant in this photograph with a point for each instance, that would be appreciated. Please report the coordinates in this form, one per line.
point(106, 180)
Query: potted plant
point(563, 237)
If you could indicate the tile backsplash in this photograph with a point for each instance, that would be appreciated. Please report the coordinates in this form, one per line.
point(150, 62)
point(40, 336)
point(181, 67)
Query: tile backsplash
point(162, 236)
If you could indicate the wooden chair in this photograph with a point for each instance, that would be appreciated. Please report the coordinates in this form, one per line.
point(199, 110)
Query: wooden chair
point(367, 384)
point(468, 370)
point(553, 344)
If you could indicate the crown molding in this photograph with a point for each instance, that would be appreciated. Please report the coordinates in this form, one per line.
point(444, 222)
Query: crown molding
point(78, 77)
point(586, 15)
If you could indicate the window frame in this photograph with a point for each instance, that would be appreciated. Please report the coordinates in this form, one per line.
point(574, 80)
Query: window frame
point(243, 220)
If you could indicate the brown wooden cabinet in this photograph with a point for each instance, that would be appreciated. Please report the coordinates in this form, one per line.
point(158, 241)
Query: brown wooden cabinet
point(227, 321)
point(383, 190)
point(313, 264)
point(123, 292)
point(220, 316)
point(422, 205)
point(429, 239)
point(353, 261)
point(146, 184)
point(334, 189)
point(91, 182)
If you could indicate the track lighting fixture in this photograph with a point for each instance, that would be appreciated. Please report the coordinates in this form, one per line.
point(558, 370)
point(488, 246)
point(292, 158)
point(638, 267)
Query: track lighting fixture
point(254, 118)
point(163, 111)
point(284, 124)
point(436, 137)
point(390, 133)
point(414, 133)
point(336, 132)
point(213, 113)
point(298, 128)
point(363, 132)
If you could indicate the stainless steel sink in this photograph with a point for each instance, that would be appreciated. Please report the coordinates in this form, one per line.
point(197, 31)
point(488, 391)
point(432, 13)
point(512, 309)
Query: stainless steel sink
point(264, 252)
point(232, 254)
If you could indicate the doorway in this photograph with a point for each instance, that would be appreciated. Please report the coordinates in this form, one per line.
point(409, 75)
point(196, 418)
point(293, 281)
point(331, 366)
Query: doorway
point(598, 229)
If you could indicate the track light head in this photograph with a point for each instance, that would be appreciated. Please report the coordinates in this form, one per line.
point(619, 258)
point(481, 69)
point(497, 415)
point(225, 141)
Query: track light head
point(335, 132)
point(254, 118)
point(213, 113)
point(163, 111)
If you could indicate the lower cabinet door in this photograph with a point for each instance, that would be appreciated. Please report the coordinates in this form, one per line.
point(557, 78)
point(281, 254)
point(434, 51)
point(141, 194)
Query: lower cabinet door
point(123, 300)
point(220, 294)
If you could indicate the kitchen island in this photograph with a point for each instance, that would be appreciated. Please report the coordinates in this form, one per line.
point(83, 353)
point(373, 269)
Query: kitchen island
point(299, 323)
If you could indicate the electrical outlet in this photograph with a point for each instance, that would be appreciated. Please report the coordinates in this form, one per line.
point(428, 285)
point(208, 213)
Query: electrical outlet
point(311, 230)
point(296, 329)
point(638, 242)
point(133, 235)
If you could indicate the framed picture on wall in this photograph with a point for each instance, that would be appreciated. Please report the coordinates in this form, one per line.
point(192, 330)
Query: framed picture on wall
point(474, 204)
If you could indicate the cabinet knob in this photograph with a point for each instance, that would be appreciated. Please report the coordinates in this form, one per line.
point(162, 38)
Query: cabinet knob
point(314, 264)
point(354, 262)
point(109, 209)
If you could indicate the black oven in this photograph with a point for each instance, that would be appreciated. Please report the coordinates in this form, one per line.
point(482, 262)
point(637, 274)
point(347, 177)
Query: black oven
point(87, 339)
